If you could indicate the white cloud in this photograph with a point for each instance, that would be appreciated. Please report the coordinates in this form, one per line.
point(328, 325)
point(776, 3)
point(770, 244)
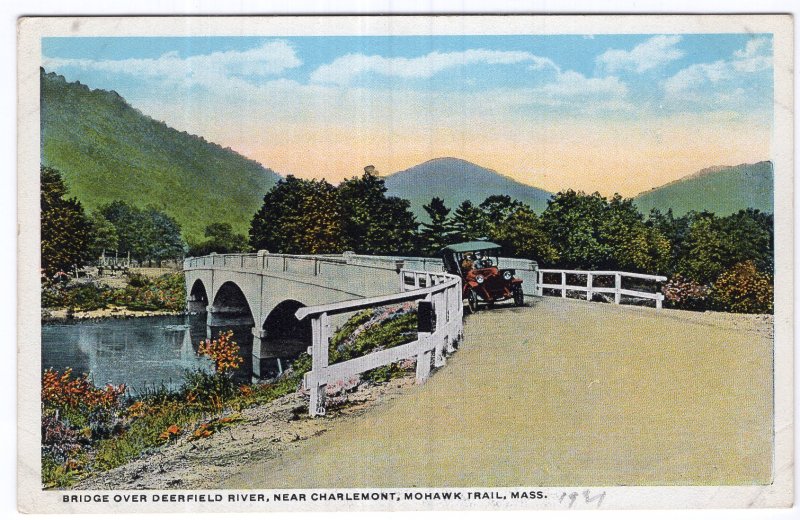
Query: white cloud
point(574, 84)
point(697, 74)
point(756, 56)
point(342, 70)
point(269, 59)
point(656, 51)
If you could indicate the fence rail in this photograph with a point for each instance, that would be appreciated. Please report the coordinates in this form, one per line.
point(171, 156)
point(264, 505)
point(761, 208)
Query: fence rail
point(439, 293)
point(590, 289)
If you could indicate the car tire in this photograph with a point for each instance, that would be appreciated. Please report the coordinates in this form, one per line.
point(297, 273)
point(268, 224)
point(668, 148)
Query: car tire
point(472, 301)
point(519, 297)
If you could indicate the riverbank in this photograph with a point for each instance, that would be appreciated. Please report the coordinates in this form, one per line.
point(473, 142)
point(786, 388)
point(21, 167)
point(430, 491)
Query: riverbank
point(136, 295)
point(113, 312)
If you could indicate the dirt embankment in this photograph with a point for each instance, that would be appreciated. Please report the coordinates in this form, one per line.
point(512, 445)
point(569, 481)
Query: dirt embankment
point(265, 433)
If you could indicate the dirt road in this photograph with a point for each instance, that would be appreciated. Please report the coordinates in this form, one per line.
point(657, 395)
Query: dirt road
point(562, 393)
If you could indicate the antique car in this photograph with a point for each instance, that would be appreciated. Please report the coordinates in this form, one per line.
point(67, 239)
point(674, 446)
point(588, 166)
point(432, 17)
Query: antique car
point(482, 279)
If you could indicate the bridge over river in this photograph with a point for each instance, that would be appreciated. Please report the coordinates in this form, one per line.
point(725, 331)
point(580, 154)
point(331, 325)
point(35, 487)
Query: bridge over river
point(265, 291)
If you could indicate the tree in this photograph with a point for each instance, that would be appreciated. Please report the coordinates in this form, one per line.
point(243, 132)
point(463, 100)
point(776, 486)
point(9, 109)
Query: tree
point(632, 245)
point(469, 223)
point(164, 238)
point(66, 231)
point(573, 221)
point(146, 234)
point(373, 223)
point(104, 233)
point(220, 239)
point(713, 245)
point(439, 232)
point(298, 217)
point(522, 235)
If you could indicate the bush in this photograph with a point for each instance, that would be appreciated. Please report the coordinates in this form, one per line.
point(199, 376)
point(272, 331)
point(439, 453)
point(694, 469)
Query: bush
point(684, 293)
point(744, 289)
point(150, 294)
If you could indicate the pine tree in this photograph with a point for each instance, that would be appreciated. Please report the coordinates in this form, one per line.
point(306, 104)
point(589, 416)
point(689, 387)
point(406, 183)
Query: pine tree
point(66, 236)
point(438, 233)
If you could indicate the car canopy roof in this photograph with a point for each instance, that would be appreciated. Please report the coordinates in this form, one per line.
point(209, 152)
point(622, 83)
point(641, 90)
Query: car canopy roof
point(468, 247)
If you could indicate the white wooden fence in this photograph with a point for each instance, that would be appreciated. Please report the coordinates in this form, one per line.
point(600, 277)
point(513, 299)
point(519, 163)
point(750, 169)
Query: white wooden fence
point(590, 289)
point(442, 290)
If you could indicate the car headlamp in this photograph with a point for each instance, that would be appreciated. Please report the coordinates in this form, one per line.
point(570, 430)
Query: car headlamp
point(506, 275)
point(479, 278)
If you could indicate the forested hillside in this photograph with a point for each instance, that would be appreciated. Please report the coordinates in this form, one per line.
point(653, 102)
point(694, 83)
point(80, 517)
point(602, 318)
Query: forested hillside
point(107, 150)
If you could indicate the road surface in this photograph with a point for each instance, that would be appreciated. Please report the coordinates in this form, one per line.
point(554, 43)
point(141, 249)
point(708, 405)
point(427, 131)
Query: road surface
point(562, 393)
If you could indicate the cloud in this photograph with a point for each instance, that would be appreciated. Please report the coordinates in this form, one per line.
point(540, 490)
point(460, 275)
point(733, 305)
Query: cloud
point(344, 69)
point(574, 84)
point(269, 59)
point(756, 56)
point(656, 51)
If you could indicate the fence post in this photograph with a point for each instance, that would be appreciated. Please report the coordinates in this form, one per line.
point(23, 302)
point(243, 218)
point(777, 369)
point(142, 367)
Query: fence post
point(563, 284)
point(449, 296)
point(441, 334)
point(320, 330)
point(423, 354)
point(617, 288)
point(589, 285)
point(539, 289)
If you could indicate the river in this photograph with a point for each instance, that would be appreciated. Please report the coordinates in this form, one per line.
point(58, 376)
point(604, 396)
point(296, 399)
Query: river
point(143, 353)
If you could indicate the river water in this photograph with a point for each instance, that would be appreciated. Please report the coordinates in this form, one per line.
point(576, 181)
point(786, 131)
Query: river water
point(143, 353)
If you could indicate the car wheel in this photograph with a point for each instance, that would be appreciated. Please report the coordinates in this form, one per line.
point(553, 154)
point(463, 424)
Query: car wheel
point(519, 297)
point(472, 301)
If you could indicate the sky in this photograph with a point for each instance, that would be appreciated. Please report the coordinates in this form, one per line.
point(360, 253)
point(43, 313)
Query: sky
point(607, 113)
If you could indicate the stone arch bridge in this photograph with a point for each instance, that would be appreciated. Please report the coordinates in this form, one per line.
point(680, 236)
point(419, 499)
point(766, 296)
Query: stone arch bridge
point(263, 291)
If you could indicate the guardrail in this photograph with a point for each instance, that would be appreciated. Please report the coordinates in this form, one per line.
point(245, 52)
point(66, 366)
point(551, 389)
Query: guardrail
point(590, 289)
point(440, 327)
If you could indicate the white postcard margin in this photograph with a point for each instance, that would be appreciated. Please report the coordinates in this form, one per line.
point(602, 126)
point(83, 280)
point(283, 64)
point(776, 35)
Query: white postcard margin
point(31, 498)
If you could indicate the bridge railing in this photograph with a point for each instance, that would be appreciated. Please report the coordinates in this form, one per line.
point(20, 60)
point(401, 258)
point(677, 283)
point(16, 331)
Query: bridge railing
point(591, 289)
point(440, 311)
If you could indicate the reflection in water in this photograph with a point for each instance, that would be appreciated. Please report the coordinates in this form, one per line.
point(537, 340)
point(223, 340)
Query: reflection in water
point(142, 352)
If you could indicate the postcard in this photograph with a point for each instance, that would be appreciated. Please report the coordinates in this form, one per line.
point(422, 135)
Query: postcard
point(346, 263)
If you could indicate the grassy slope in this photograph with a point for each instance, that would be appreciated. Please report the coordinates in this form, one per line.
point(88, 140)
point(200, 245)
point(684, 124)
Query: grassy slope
point(722, 190)
point(108, 150)
point(456, 180)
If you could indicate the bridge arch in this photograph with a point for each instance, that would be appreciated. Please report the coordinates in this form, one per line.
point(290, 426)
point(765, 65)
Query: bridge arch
point(198, 297)
point(230, 306)
point(281, 323)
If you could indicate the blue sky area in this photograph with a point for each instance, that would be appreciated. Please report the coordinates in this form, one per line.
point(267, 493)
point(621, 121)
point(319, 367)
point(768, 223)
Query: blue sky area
point(521, 88)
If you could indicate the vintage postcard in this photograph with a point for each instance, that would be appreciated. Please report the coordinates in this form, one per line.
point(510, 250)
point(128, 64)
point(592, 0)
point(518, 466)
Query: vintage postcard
point(405, 263)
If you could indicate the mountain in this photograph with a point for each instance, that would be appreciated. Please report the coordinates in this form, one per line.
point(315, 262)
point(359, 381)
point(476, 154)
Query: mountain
point(721, 189)
point(454, 181)
point(107, 150)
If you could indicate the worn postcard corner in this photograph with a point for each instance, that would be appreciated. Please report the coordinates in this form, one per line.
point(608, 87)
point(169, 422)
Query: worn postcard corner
point(405, 263)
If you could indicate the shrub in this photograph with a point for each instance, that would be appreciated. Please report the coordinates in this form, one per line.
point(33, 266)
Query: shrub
point(59, 440)
point(684, 293)
point(744, 289)
point(223, 351)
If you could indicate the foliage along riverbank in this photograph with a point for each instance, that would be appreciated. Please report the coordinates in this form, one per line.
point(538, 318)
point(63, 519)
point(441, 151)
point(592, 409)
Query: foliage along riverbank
point(141, 296)
point(88, 430)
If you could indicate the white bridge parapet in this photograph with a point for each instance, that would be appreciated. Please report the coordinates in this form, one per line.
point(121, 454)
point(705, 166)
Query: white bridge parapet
point(440, 327)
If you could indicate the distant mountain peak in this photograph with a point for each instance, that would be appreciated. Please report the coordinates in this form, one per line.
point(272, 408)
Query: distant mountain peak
point(455, 180)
